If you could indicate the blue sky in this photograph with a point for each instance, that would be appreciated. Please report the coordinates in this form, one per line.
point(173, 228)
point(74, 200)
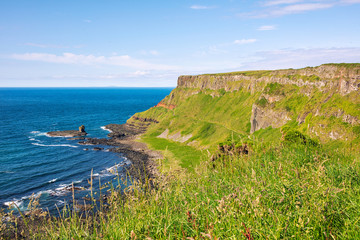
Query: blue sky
point(133, 43)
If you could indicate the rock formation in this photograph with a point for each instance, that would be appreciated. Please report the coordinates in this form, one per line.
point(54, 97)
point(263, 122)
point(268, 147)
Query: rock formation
point(82, 128)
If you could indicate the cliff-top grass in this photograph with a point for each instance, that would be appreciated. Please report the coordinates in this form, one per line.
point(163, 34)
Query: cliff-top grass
point(285, 192)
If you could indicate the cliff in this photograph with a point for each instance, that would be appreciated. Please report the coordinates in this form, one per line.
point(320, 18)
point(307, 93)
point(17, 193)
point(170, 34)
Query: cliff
point(322, 102)
point(343, 77)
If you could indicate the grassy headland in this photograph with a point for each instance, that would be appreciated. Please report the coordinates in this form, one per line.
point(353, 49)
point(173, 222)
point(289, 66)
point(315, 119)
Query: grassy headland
point(247, 155)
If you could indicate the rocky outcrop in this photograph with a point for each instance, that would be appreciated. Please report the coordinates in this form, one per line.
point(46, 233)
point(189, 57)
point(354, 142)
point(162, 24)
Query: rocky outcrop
point(82, 128)
point(265, 117)
point(177, 137)
point(342, 78)
point(170, 106)
point(145, 119)
point(67, 133)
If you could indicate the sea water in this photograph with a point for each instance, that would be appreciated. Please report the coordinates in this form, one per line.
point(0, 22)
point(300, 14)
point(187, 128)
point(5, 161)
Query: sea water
point(34, 164)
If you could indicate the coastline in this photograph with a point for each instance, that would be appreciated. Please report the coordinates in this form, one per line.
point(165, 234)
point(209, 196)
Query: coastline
point(123, 139)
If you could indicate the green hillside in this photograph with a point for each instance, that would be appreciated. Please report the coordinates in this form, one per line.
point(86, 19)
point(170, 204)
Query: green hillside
point(310, 101)
point(247, 155)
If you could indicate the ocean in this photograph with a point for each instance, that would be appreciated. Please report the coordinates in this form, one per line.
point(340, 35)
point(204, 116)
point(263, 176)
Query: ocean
point(34, 164)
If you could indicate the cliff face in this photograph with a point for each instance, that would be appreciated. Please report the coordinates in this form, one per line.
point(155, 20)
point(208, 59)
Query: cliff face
point(325, 77)
point(323, 102)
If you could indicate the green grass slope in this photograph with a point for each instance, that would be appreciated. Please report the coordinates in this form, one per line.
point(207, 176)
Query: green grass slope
point(212, 115)
point(288, 192)
point(220, 180)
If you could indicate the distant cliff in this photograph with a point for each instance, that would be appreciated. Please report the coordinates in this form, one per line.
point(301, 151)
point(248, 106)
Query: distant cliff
point(343, 77)
point(322, 102)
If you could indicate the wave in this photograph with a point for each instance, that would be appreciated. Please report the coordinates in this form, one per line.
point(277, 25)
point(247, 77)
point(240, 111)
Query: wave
point(6, 172)
point(104, 128)
point(54, 145)
point(64, 189)
point(38, 133)
point(34, 139)
point(52, 180)
point(14, 203)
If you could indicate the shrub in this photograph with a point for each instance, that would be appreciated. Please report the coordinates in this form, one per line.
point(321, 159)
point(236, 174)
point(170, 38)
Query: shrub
point(293, 136)
point(262, 102)
point(274, 89)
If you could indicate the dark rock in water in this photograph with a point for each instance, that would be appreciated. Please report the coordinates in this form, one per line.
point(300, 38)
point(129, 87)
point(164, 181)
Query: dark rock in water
point(98, 148)
point(86, 149)
point(76, 138)
point(82, 128)
point(85, 143)
point(95, 141)
point(67, 133)
point(65, 190)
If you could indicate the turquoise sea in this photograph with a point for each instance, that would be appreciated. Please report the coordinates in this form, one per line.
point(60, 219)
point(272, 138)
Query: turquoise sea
point(31, 163)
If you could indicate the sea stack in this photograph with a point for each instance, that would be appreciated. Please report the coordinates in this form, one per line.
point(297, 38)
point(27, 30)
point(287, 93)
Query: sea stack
point(82, 128)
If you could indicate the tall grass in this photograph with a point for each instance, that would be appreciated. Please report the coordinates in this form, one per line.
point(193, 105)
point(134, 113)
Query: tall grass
point(272, 193)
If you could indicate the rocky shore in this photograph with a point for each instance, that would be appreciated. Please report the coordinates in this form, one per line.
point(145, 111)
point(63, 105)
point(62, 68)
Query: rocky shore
point(122, 138)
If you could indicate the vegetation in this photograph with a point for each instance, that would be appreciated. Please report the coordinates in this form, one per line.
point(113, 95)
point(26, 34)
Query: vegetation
point(274, 89)
point(222, 182)
point(292, 191)
point(258, 74)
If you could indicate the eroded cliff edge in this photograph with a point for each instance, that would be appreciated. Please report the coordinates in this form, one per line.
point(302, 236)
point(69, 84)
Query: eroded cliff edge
point(322, 102)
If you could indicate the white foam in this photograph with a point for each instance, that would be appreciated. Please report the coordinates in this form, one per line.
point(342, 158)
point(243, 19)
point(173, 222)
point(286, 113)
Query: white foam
point(62, 186)
point(38, 194)
point(18, 203)
point(33, 139)
point(6, 172)
point(104, 128)
point(52, 180)
point(64, 189)
point(55, 145)
point(38, 133)
point(66, 136)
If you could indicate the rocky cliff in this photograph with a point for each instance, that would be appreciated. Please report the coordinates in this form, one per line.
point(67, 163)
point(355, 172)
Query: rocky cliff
point(323, 102)
point(343, 77)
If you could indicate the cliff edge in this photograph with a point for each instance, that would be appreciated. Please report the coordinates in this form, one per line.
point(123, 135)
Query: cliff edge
point(322, 102)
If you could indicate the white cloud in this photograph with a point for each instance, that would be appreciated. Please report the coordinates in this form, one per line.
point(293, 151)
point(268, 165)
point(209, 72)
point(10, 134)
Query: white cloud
point(266, 28)
point(245, 41)
point(277, 8)
point(40, 45)
point(279, 2)
point(201, 7)
point(297, 58)
point(350, 1)
point(151, 52)
point(140, 73)
point(71, 58)
point(154, 52)
point(299, 8)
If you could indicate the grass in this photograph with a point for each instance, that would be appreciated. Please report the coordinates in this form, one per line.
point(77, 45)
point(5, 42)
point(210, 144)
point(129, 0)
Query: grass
point(282, 192)
point(176, 154)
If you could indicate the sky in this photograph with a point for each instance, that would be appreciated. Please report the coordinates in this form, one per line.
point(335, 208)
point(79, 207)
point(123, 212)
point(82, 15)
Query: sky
point(142, 43)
